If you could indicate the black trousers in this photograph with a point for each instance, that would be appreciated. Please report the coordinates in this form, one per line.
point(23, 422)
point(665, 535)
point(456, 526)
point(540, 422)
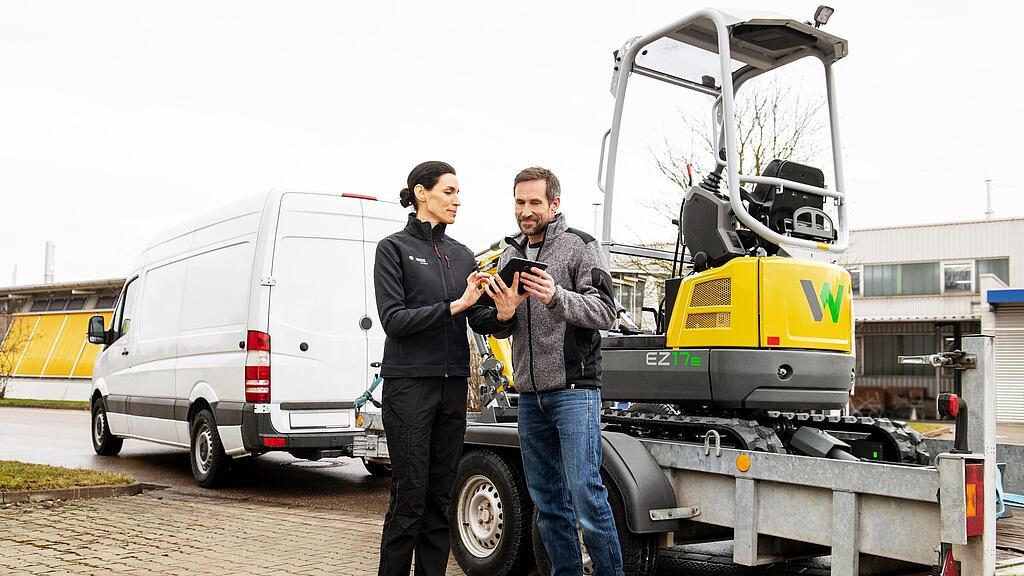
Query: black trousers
point(425, 424)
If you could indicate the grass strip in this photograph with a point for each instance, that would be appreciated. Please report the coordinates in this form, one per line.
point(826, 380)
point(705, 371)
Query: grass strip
point(29, 403)
point(16, 475)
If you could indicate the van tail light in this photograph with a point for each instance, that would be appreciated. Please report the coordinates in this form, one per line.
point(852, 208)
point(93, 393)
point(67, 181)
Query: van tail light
point(359, 196)
point(974, 490)
point(257, 367)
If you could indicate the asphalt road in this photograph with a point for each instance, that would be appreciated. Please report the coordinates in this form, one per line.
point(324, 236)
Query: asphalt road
point(61, 437)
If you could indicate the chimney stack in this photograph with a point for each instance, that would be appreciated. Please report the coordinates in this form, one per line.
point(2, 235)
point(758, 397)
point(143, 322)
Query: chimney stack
point(48, 270)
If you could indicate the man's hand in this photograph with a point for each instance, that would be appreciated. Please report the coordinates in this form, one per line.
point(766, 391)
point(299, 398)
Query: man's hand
point(539, 284)
point(506, 299)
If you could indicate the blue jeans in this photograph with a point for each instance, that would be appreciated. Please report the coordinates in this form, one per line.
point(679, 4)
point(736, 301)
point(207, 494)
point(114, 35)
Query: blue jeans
point(560, 437)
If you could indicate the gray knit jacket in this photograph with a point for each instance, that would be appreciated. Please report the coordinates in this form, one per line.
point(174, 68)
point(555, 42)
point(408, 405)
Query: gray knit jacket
point(558, 346)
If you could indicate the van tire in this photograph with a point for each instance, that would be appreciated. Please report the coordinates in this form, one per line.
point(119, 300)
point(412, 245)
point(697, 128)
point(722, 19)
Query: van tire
point(103, 442)
point(486, 477)
point(639, 551)
point(206, 453)
point(377, 469)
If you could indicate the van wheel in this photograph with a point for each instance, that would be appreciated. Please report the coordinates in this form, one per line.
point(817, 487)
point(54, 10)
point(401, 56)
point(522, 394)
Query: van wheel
point(639, 551)
point(209, 462)
point(490, 518)
point(103, 442)
point(377, 469)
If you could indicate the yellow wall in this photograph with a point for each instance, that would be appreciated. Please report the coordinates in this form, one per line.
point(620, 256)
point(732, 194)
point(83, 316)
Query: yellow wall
point(58, 345)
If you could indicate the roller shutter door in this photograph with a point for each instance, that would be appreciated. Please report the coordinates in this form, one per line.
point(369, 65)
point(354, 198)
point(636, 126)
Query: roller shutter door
point(1009, 353)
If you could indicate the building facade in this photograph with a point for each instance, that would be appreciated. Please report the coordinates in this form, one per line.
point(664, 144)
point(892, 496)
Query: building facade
point(44, 340)
point(918, 289)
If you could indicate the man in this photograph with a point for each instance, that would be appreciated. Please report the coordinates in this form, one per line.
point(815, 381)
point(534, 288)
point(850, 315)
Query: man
point(556, 350)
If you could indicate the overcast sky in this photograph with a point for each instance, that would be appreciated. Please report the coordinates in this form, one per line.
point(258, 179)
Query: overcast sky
point(118, 119)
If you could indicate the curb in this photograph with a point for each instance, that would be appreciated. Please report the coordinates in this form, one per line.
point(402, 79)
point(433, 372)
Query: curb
point(75, 493)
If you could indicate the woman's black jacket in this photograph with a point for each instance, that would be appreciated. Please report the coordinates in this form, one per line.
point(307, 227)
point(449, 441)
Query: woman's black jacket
point(417, 273)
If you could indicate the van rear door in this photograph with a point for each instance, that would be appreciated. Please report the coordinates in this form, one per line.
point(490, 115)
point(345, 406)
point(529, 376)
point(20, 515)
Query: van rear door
point(318, 297)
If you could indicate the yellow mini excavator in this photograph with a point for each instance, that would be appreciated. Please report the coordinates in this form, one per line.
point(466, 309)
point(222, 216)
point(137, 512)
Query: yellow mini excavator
point(754, 340)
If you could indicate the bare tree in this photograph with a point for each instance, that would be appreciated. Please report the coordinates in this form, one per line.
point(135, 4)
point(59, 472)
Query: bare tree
point(773, 121)
point(14, 337)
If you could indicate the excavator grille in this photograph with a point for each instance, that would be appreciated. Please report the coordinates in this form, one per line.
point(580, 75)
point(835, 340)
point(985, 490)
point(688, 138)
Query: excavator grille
point(717, 292)
point(708, 320)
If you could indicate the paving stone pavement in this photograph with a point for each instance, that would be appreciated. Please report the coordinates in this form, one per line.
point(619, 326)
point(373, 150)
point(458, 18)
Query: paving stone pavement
point(173, 534)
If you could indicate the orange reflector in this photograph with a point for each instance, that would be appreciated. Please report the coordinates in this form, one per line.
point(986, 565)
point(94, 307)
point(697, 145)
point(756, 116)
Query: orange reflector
point(359, 420)
point(743, 462)
point(972, 495)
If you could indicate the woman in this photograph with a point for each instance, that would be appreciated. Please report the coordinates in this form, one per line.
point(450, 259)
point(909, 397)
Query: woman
point(427, 287)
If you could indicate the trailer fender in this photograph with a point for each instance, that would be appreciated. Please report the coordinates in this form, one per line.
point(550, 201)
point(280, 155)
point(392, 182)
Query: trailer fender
point(643, 485)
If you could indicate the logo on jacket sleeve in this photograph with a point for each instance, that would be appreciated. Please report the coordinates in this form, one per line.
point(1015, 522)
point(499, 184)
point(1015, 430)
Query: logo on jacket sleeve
point(818, 301)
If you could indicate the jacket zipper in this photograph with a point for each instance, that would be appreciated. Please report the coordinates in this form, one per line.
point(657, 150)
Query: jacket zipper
point(444, 287)
point(529, 326)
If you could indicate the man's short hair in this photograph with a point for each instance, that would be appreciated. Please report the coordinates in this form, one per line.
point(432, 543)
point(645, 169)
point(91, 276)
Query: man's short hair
point(552, 188)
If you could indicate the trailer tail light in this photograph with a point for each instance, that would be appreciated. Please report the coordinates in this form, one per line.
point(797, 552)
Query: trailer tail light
point(359, 196)
point(257, 367)
point(974, 490)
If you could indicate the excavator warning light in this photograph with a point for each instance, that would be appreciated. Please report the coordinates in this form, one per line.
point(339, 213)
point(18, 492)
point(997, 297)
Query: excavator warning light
point(822, 14)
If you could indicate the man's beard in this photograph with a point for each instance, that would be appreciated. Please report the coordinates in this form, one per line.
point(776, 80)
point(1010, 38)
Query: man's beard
point(540, 226)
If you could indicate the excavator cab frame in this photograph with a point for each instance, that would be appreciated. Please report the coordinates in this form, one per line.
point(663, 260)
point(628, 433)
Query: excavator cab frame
point(733, 48)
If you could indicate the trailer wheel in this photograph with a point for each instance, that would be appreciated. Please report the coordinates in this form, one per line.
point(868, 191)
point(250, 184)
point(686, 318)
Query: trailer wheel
point(377, 469)
point(209, 462)
point(103, 442)
point(490, 517)
point(639, 551)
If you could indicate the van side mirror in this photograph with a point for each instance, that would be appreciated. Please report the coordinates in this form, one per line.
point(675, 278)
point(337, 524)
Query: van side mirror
point(97, 333)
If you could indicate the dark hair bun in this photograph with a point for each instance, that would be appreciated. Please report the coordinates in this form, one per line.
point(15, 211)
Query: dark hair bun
point(405, 198)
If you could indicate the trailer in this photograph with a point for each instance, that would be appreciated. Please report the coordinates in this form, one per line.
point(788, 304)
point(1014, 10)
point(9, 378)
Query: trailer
point(870, 517)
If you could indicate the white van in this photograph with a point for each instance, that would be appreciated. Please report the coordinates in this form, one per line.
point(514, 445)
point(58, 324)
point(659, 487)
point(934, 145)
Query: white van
point(248, 329)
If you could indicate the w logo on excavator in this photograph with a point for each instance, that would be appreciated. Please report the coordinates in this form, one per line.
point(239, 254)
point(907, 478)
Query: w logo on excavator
point(825, 299)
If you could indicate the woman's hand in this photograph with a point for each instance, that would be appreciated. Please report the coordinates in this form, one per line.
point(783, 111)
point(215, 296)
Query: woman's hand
point(472, 292)
point(506, 299)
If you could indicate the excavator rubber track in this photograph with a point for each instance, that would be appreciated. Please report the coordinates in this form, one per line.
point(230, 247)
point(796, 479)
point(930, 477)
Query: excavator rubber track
point(745, 434)
point(899, 438)
point(765, 433)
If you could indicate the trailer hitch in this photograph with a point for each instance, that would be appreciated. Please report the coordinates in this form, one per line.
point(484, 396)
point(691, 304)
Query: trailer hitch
point(948, 404)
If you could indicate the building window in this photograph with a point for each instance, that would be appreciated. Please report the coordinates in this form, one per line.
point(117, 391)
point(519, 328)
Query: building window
point(106, 301)
point(855, 274)
point(901, 279)
point(999, 266)
point(57, 304)
point(39, 305)
point(957, 277)
point(76, 303)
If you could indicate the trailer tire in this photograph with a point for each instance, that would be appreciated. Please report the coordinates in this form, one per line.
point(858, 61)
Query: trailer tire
point(639, 551)
point(103, 442)
point(206, 453)
point(491, 491)
point(377, 469)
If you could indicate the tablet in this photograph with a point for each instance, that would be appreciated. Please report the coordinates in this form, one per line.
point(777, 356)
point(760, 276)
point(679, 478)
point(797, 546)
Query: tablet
point(508, 273)
point(520, 265)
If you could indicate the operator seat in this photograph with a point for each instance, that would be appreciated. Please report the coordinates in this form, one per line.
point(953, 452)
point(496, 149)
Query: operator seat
point(789, 211)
